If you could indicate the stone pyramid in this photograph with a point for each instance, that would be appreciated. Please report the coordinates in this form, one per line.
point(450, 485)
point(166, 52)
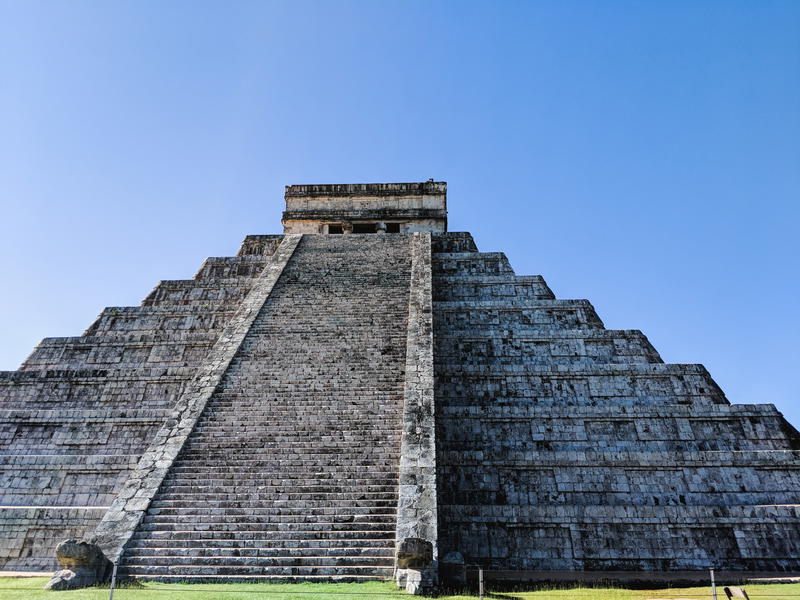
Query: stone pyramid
point(369, 396)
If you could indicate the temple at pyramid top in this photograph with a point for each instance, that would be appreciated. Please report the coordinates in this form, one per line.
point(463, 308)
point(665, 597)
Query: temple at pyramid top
point(366, 208)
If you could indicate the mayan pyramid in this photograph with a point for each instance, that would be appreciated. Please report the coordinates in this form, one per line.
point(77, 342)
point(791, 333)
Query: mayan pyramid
point(368, 396)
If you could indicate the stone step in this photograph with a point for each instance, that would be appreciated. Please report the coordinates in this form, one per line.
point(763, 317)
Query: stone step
point(273, 465)
point(183, 572)
point(374, 405)
point(256, 500)
point(258, 534)
point(299, 481)
point(322, 445)
point(283, 435)
point(213, 510)
point(256, 578)
point(249, 486)
point(261, 468)
point(266, 562)
point(320, 442)
point(270, 485)
point(197, 543)
point(321, 428)
point(335, 514)
point(299, 445)
point(244, 454)
point(176, 553)
point(321, 464)
point(295, 455)
point(322, 425)
point(342, 386)
point(275, 527)
point(213, 498)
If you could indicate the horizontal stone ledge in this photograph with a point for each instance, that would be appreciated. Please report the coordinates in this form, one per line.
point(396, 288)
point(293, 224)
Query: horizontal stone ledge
point(512, 331)
point(172, 310)
point(597, 370)
point(110, 338)
point(542, 334)
point(71, 456)
point(511, 412)
point(47, 507)
point(59, 420)
point(440, 256)
point(139, 374)
point(473, 395)
point(691, 515)
point(424, 188)
point(131, 342)
point(213, 283)
point(671, 577)
point(243, 259)
point(733, 458)
point(512, 304)
point(87, 413)
point(366, 214)
point(478, 279)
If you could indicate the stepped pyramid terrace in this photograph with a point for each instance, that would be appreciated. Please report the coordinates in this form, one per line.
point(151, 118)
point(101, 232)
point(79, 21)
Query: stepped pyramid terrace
point(368, 395)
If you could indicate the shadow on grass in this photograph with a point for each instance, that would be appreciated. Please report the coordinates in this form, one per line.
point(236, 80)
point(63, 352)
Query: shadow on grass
point(525, 591)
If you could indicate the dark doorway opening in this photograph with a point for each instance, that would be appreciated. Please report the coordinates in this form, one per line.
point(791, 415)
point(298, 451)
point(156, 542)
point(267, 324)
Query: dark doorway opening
point(363, 227)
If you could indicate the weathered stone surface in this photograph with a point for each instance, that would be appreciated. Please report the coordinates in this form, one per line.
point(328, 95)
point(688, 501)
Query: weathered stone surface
point(563, 446)
point(414, 553)
point(81, 411)
point(84, 564)
point(453, 570)
point(292, 469)
point(127, 511)
point(416, 506)
point(409, 207)
point(364, 404)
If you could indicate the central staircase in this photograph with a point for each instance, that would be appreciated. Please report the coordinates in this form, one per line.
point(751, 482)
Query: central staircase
point(292, 470)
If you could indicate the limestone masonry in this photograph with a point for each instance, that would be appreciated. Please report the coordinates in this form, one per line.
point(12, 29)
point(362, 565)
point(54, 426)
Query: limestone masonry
point(368, 396)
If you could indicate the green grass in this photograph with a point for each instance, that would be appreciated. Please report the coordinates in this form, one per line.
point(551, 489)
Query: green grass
point(30, 588)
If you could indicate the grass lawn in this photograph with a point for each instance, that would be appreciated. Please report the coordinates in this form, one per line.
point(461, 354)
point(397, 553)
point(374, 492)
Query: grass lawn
point(30, 588)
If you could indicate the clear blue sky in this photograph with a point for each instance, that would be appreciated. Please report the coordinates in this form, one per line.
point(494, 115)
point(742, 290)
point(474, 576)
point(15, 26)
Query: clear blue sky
point(644, 155)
